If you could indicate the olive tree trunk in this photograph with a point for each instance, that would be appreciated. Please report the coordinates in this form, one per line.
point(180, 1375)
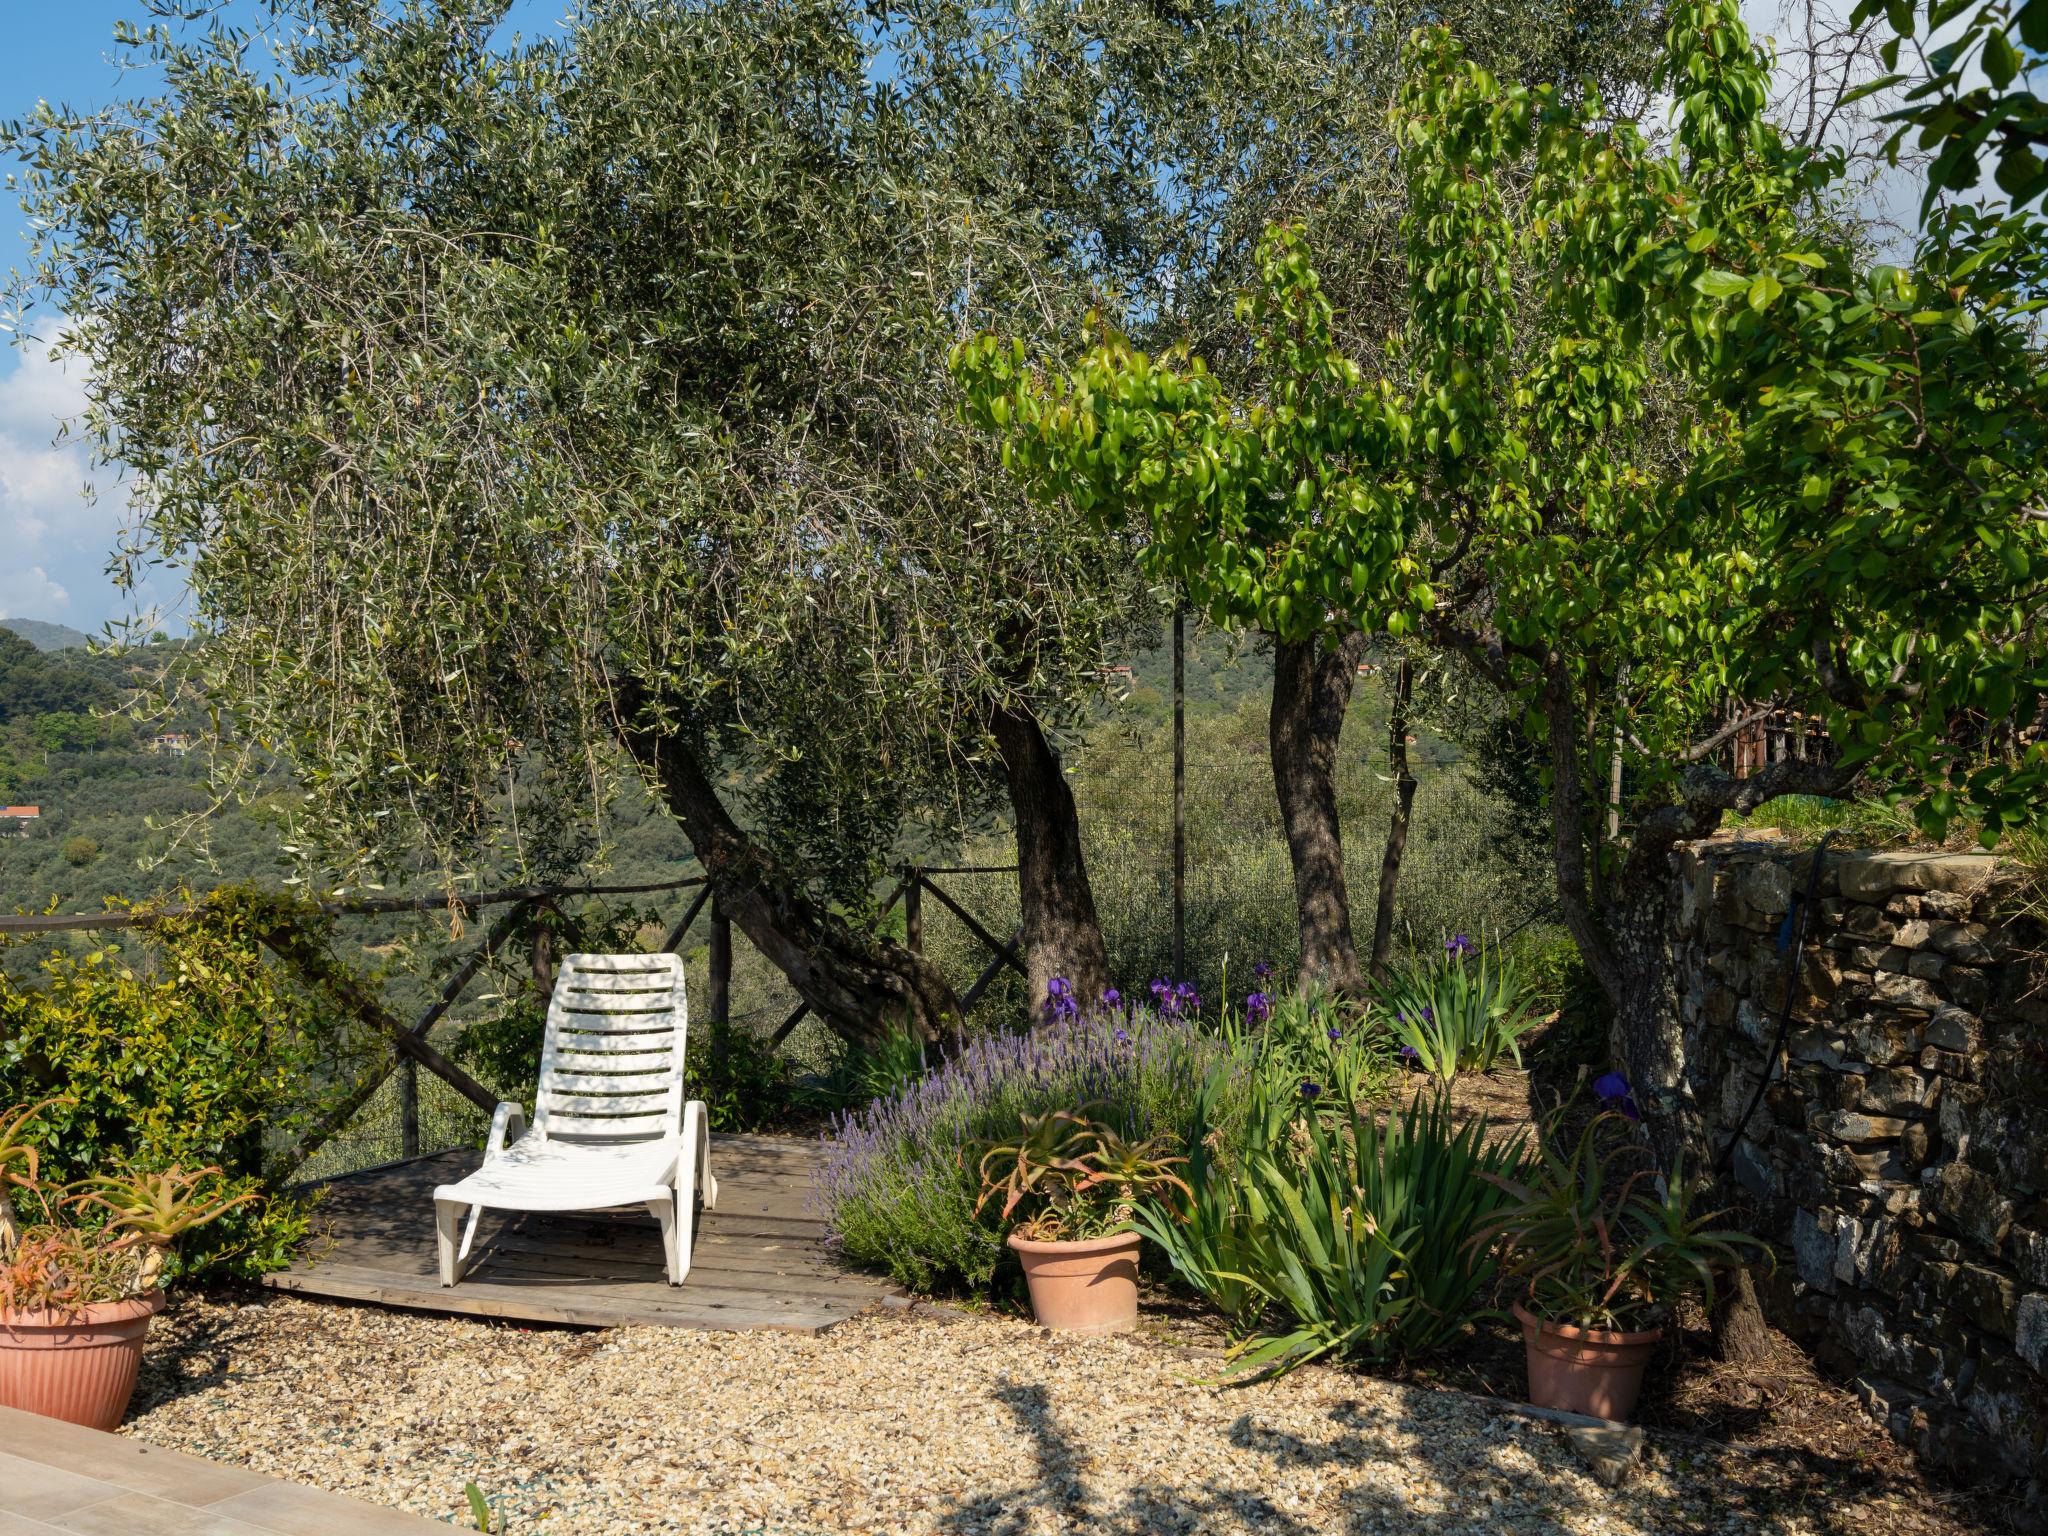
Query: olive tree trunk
point(862, 986)
point(1311, 691)
point(1061, 935)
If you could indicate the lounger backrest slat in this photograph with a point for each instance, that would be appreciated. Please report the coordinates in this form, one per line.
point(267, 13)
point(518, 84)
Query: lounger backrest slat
point(611, 1065)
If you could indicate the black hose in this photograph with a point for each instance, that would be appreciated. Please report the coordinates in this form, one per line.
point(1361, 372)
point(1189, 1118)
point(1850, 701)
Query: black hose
point(1799, 929)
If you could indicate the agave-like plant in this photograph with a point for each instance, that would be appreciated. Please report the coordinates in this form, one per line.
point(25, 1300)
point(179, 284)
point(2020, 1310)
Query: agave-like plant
point(152, 1210)
point(19, 1164)
point(1082, 1177)
point(1599, 1239)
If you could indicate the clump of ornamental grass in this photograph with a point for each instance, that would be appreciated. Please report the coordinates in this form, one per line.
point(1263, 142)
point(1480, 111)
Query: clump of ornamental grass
point(901, 1176)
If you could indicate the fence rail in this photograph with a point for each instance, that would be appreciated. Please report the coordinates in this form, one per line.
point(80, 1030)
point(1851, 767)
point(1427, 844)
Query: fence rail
point(411, 1049)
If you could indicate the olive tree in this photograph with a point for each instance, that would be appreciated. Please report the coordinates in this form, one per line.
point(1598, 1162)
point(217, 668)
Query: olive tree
point(516, 409)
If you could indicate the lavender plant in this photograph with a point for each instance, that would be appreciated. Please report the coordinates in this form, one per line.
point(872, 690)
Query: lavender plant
point(900, 1178)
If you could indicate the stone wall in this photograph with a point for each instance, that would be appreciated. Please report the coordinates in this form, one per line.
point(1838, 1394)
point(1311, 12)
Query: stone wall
point(1900, 1155)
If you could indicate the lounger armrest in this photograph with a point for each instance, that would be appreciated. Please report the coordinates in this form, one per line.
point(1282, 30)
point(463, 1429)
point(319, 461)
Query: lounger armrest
point(508, 1124)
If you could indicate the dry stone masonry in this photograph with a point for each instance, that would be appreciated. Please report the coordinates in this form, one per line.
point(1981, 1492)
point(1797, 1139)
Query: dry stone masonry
point(1900, 1155)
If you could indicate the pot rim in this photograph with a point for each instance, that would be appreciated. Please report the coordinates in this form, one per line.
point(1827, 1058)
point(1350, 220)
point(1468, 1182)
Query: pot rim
point(88, 1314)
point(1585, 1335)
point(1077, 1246)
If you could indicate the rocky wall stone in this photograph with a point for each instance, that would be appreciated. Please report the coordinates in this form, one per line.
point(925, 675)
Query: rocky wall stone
point(1899, 1156)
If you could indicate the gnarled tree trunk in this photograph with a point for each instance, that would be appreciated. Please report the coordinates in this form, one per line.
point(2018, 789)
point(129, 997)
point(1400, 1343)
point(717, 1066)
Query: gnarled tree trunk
point(1311, 691)
point(1061, 934)
point(862, 986)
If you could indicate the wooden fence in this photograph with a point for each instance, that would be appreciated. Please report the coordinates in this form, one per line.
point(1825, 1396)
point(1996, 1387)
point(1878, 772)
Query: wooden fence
point(411, 1048)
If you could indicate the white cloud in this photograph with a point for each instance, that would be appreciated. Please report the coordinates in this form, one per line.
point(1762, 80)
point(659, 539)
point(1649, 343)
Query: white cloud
point(54, 539)
point(30, 593)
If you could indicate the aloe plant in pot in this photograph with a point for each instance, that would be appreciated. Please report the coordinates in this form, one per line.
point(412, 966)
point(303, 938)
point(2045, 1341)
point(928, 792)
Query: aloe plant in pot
point(1070, 1186)
point(81, 1269)
point(1604, 1249)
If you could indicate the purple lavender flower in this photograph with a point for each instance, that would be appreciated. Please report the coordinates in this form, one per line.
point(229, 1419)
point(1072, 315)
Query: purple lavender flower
point(1458, 946)
point(1258, 1007)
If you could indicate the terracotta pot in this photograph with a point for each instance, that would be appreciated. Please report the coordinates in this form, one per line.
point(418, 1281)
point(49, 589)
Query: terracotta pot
point(77, 1364)
point(1585, 1370)
point(1084, 1287)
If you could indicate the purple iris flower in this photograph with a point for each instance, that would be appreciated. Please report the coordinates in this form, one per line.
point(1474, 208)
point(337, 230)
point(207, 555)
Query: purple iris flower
point(1334, 1033)
point(1258, 1007)
point(1111, 998)
point(1615, 1094)
point(1410, 1053)
point(1458, 946)
point(1262, 970)
point(1310, 1088)
point(1060, 1002)
point(1122, 1037)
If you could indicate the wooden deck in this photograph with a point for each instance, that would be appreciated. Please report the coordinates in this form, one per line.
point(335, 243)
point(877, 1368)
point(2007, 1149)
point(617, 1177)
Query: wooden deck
point(759, 1260)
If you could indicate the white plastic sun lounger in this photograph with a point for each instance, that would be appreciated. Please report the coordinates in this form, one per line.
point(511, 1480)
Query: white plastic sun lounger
point(610, 1127)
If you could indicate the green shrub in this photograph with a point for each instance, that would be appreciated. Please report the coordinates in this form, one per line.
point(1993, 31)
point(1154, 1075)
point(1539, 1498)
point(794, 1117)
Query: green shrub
point(212, 1056)
point(1460, 1011)
point(1337, 1233)
point(1561, 982)
point(1314, 1038)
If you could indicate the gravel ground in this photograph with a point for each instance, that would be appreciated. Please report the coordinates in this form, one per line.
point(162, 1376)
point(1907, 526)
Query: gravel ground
point(926, 1421)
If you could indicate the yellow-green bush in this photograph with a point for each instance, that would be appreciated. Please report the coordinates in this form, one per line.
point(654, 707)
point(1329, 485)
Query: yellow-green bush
point(207, 1054)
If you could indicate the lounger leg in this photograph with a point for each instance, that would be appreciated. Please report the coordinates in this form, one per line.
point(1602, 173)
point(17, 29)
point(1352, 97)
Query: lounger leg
point(674, 1216)
point(697, 1157)
point(447, 1213)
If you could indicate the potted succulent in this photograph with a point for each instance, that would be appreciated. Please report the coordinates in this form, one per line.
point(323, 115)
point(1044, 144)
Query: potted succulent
point(80, 1279)
point(1070, 1184)
point(1604, 1249)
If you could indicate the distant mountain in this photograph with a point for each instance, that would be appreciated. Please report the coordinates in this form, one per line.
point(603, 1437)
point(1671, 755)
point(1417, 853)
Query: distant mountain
point(47, 637)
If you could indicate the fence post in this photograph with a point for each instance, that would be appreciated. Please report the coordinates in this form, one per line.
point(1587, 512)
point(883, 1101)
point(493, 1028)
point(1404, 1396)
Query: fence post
point(913, 908)
point(721, 967)
point(408, 1107)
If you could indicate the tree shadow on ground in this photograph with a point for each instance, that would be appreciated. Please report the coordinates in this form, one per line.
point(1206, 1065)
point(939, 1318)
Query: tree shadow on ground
point(1419, 1461)
point(190, 1354)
